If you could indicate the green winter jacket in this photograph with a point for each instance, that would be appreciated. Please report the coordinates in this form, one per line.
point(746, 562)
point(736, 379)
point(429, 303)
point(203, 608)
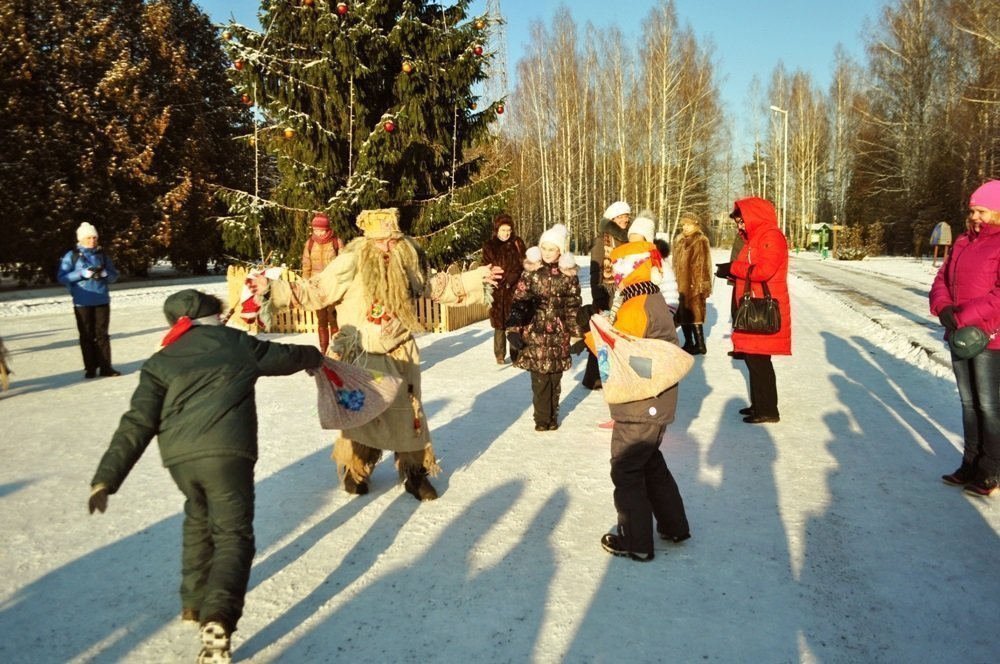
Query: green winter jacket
point(197, 396)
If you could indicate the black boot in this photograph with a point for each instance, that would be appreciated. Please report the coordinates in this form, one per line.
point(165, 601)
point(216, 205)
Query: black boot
point(689, 345)
point(699, 340)
point(354, 487)
point(417, 485)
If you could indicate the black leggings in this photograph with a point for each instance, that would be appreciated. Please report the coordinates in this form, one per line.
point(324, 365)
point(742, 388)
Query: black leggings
point(763, 390)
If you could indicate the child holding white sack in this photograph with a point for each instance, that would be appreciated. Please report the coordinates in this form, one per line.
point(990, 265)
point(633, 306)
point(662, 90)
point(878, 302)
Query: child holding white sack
point(550, 282)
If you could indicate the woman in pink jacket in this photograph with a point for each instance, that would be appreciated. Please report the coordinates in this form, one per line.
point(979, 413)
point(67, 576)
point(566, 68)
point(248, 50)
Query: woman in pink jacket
point(764, 259)
point(966, 292)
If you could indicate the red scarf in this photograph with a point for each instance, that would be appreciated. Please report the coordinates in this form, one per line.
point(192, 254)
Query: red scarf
point(325, 238)
point(178, 329)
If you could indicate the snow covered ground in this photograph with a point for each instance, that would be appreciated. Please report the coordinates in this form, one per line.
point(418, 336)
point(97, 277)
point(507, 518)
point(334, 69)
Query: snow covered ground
point(824, 538)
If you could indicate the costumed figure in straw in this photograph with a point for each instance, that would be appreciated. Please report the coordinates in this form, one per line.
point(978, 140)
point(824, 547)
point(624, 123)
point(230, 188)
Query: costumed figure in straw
point(373, 284)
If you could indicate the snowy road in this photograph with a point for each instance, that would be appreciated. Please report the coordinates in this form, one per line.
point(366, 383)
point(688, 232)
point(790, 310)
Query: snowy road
point(824, 538)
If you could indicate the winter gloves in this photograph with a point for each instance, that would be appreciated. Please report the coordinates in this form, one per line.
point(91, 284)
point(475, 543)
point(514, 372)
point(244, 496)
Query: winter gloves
point(947, 318)
point(98, 499)
point(722, 270)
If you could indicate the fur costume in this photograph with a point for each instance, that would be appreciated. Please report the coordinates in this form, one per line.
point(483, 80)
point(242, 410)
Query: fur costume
point(374, 292)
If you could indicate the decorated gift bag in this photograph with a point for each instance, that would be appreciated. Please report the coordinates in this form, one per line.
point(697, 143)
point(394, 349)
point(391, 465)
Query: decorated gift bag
point(632, 368)
point(350, 396)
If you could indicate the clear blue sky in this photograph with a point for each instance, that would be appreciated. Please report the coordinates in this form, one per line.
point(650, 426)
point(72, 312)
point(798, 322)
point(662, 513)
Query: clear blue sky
point(750, 36)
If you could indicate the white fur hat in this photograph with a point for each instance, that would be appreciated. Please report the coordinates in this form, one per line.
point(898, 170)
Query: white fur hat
point(85, 230)
point(533, 255)
point(556, 235)
point(617, 208)
point(643, 226)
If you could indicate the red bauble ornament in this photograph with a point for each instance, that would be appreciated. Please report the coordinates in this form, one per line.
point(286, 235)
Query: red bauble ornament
point(477, 49)
point(389, 126)
point(308, 3)
point(407, 67)
point(246, 100)
point(499, 109)
point(238, 65)
point(341, 8)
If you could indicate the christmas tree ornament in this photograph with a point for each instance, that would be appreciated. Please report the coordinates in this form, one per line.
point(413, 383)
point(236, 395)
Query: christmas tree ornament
point(246, 100)
point(227, 35)
point(407, 67)
point(473, 105)
point(308, 3)
point(389, 126)
point(499, 109)
point(477, 49)
point(238, 65)
point(341, 8)
point(289, 132)
point(479, 24)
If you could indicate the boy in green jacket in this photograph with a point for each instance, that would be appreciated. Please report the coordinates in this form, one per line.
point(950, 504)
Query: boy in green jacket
point(196, 394)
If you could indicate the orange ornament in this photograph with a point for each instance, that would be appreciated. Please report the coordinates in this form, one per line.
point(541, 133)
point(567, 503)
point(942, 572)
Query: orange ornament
point(289, 132)
point(238, 65)
point(407, 67)
point(341, 8)
point(479, 23)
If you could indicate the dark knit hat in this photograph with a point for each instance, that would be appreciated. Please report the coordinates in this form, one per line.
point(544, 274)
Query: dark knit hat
point(320, 221)
point(191, 303)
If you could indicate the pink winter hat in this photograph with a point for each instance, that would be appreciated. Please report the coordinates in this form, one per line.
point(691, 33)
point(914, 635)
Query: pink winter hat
point(987, 196)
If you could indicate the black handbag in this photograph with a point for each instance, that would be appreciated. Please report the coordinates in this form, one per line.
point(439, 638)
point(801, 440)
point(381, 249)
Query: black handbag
point(757, 315)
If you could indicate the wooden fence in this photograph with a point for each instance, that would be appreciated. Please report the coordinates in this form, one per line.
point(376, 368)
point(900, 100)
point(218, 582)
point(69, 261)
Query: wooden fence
point(433, 316)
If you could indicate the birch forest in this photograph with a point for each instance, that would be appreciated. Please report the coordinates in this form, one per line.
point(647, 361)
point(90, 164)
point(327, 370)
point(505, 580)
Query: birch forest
point(892, 145)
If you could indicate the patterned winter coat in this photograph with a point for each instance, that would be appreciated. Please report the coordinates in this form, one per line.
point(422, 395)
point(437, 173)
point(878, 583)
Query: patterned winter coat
point(556, 294)
point(766, 251)
point(969, 281)
point(510, 256)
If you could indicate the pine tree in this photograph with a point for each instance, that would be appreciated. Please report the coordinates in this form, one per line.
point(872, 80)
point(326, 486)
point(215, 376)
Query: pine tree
point(367, 105)
point(105, 121)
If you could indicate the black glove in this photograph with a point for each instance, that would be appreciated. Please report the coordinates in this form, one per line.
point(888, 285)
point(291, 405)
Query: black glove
point(947, 318)
point(578, 347)
point(722, 270)
point(515, 340)
point(583, 315)
point(98, 500)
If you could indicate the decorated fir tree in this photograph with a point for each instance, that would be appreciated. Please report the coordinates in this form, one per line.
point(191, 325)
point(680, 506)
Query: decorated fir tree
point(364, 105)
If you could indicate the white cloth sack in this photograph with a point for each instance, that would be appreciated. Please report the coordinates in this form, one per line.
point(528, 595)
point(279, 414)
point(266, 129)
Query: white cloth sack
point(351, 396)
point(633, 369)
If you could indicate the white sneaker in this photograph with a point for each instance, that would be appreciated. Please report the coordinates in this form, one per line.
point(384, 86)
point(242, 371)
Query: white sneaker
point(214, 644)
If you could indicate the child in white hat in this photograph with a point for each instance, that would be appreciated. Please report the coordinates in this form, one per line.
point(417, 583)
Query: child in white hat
point(551, 284)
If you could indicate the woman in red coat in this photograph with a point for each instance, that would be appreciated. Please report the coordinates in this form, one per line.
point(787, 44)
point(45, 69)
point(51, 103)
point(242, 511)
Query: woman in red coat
point(764, 257)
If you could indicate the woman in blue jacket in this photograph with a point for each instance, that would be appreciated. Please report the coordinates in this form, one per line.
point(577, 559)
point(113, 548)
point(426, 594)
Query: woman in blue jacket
point(86, 270)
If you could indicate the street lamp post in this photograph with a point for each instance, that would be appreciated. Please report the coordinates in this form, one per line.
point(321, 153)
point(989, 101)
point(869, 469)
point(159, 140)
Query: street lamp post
point(784, 169)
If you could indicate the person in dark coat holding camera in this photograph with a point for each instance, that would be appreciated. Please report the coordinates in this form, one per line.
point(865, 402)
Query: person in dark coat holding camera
point(764, 258)
point(506, 249)
point(614, 232)
point(196, 395)
point(87, 271)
